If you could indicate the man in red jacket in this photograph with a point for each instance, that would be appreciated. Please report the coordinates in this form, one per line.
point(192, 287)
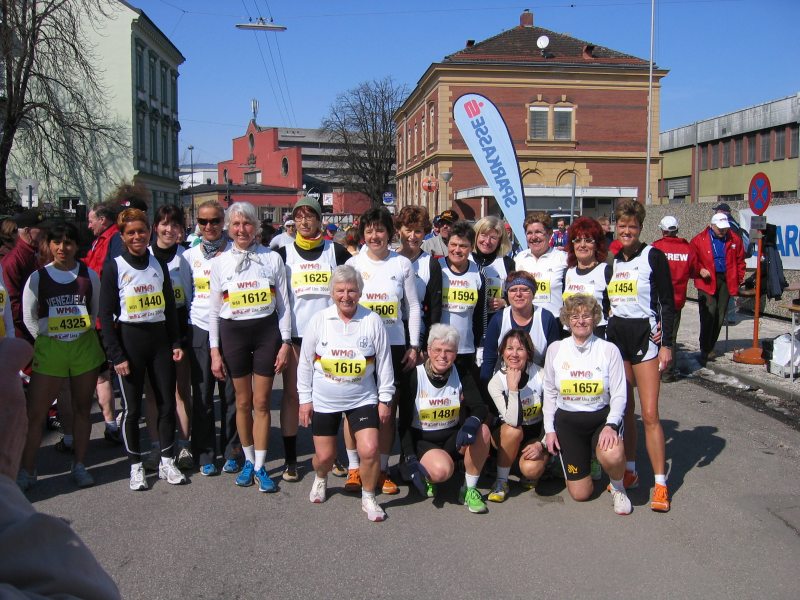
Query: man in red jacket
point(720, 256)
point(20, 263)
point(682, 259)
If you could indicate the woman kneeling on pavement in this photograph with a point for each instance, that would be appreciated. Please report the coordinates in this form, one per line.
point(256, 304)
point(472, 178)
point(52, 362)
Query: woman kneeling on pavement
point(584, 402)
point(345, 365)
point(434, 431)
point(516, 390)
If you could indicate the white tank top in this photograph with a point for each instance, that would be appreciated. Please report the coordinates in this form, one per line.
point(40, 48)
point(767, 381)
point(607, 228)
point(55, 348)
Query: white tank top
point(530, 396)
point(459, 298)
point(495, 275)
point(436, 408)
point(201, 282)
point(536, 332)
point(592, 283)
point(581, 378)
point(309, 284)
point(383, 291)
point(177, 278)
point(141, 292)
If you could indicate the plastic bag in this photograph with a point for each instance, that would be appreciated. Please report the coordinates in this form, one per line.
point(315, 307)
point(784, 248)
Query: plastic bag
point(782, 350)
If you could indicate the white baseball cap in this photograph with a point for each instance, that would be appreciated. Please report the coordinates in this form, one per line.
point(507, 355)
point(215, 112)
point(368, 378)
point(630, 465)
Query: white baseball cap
point(721, 221)
point(669, 223)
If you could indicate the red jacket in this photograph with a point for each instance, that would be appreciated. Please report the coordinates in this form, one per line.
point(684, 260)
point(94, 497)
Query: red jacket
point(734, 262)
point(682, 259)
point(17, 267)
point(96, 257)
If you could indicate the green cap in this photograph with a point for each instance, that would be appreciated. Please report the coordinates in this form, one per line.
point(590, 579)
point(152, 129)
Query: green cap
point(309, 202)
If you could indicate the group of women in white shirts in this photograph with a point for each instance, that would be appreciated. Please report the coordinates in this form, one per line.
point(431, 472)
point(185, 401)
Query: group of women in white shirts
point(459, 355)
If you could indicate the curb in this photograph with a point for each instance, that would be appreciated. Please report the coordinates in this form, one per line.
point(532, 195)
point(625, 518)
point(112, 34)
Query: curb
point(774, 389)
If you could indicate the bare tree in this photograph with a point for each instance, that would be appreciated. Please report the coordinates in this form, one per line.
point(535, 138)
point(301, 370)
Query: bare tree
point(52, 114)
point(360, 122)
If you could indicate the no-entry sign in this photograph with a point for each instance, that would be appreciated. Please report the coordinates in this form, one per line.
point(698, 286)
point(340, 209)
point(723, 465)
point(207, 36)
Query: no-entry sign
point(759, 193)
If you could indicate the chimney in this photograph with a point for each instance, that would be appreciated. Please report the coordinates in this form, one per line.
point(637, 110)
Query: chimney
point(588, 51)
point(526, 18)
point(470, 43)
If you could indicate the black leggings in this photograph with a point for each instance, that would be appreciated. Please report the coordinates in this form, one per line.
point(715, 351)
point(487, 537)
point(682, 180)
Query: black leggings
point(149, 352)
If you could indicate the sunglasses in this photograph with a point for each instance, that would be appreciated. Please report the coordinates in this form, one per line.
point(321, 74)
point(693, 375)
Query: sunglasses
point(585, 240)
point(204, 222)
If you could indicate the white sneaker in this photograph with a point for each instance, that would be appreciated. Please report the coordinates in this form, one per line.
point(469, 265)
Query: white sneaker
point(171, 473)
point(622, 505)
point(81, 476)
point(138, 481)
point(319, 490)
point(185, 460)
point(373, 509)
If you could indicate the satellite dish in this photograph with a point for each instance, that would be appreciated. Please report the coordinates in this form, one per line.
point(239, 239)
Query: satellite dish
point(543, 42)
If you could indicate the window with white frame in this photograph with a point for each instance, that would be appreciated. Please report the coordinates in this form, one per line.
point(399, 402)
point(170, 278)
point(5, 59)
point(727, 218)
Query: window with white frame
point(562, 122)
point(537, 125)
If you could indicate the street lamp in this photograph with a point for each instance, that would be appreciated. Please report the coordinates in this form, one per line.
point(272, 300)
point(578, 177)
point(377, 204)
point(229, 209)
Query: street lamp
point(191, 159)
point(446, 177)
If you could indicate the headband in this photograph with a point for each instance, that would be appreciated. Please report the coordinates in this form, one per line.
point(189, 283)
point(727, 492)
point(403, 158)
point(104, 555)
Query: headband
point(521, 281)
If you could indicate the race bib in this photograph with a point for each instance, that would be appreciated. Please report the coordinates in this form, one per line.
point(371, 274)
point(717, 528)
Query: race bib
point(255, 300)
point(586, 390)
point(2, 299)
point(494, 288)
point(438, 418)
point(144, 306)
point(202, 285)
point(180, 295)
point(542, 288)
point(570, 289)
point(387, 310)
point(306, 283)
point(344, 369)
point(622, 291)
point(531, 409)
point(459, 300)
point(68, 323)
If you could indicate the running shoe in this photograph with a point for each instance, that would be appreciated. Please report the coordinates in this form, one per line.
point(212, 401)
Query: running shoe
point(319, 491)
point(265, 483)
point(471, 498)
point(138, 481)
point(171, 473)
point(152, 461)
point(387, 486)
point(499, 491)
point(622, 505)
point(245, 478)
point(209, 470)
point(528, 484)
point(62, 446)
point(373, 509)
point(81, 476)
point(660, 501)
point(231, 466)
point(185, 460)
point(112, 435)
point(25, 480)
point(630, 480)
point(430, 489)
point(596, 470)
point(353, 483)
point(290, 473)
point(338, 469)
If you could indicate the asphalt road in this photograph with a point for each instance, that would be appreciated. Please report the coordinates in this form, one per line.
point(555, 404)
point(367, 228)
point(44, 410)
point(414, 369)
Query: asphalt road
point(733, 531)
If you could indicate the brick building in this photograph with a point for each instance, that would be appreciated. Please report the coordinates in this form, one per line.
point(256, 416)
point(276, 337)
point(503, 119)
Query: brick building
point(575, 110)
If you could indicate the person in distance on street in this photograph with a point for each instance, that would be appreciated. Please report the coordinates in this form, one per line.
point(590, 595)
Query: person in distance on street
point(516, 392)
point(640, 292)
point(345, 366)
point(437, 245)
point(721, 268)
point(438, 424)
point(682, 259)
point(584, 403)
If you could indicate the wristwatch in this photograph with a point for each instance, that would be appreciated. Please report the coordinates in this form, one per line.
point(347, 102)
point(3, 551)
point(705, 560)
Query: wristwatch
point(613, 426)
point(289, 342)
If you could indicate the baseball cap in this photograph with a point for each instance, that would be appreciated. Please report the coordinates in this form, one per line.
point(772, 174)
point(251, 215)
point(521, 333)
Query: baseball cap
point(28, 218)
point(723, 207)
point(448, 216)
point(720, 221)
point(332, 227)
point(289, 223)
point(669, 223)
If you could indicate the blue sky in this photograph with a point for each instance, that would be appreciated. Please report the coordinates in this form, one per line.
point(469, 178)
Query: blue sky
point(723, 55)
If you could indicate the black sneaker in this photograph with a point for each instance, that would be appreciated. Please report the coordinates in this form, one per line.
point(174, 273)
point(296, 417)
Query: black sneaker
point(112, 436)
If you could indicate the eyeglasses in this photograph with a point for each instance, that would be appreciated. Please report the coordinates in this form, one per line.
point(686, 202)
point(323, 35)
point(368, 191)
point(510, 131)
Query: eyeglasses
point(492, 237)
point(304, 218)
point(580, 318)
point(204, 222)
point(584, 240)
point(519, 289)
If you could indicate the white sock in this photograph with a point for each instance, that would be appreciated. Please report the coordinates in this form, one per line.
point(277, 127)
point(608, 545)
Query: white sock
point(317, 479)
point(249, 453)
point(136, 466)
point(630, 466)
point(353, 462)
point(617, 485)
point(471, 480)
point(384, 463)
point(661, 479)
point(261, 458)
point(112, 425)
point(365, 494)
point(68, 440)
point(502, 473)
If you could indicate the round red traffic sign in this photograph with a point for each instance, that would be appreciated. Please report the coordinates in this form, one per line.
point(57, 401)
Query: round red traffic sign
point(759, 193)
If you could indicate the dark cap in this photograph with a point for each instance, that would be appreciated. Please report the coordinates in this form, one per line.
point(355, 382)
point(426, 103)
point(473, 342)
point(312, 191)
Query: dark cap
point(332, 227)
point(308, 202)
point(134, 203)
point(28, 218)
point(723, 207)
point(448, 216)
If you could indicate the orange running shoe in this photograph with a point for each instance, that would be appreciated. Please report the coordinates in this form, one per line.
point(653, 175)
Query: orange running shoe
point(387, 486)
point(660, 501)
point(353, 483)
point(630, 480)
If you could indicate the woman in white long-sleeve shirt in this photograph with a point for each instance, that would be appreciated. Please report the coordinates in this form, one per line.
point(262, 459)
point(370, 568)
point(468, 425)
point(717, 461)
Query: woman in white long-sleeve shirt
point(345, 366)
point(249, 331)
point(584, 401)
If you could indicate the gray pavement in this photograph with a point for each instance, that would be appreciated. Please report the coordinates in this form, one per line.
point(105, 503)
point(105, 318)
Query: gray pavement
point(734, 529)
